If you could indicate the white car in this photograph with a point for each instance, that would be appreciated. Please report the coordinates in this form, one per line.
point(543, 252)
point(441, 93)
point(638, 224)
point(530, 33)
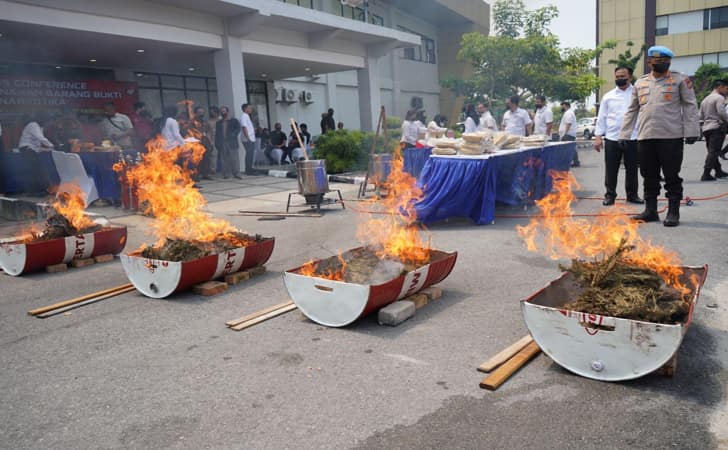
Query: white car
point(585, 127)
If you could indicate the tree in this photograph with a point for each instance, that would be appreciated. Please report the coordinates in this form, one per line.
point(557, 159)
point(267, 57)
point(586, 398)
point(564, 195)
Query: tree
point(626, 59)
point(524, 58)
point(704, 78)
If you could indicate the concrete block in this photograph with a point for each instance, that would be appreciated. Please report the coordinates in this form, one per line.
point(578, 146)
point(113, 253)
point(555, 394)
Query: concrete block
point(55, 268)
point(209, 288)
point(104, 258)
point(419, 300)
point(432, 292)
point(237, 277)
point(396, 313)
point(78, 263)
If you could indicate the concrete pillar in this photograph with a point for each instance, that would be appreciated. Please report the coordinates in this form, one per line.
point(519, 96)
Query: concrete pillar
point(370, 94)
point(331, 86)
point(230, 75)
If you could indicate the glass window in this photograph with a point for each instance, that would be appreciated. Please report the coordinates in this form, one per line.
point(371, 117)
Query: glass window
point(685, 22)
point(170, 81)
point(430, 56)
point(213, 98)
point(195, 83)
point(147, 79)
point(719, 17)
point(153, 99)
point(171, 97)
point(661, 25)
point(376, 20)
point(723, 59)
point(710, 58)
point(199, 98)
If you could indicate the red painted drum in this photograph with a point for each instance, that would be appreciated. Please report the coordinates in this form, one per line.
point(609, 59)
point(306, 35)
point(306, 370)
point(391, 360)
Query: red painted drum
point(338, 303)
point(157, 278)
point(17, 257)
point(602, 347)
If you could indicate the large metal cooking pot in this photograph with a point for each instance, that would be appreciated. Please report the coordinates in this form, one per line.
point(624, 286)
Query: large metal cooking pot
point(312, 178)
point(380, 165)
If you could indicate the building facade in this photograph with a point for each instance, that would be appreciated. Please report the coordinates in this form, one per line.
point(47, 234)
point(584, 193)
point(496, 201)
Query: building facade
point(695, 30)
point(290, 59)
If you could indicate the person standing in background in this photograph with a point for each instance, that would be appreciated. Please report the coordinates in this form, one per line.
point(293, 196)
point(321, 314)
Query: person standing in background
point(330, 122)
point(201, 130)
point(472, 119)
point(170, 129)
point(486, 120)
point(214, 117)
point(143, 125)
point(248, 138)
point(117, 127)
point(226, 139)
point(567, 129)
point(715, 123)
point(32, 141)
point(516, 120)
point(668, 113)
point(543, 119)
point(609, 122)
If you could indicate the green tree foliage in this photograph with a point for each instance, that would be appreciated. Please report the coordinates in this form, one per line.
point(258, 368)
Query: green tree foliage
point(524, 58)
point(705, 76)
point(626, 59)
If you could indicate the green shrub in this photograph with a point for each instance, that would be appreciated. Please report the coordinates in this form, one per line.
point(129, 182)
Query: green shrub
point(348, 150)
point(394, 122)
point(342, 150)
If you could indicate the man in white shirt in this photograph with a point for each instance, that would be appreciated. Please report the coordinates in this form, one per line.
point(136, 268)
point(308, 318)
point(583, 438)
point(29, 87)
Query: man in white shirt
point(567, 129)
point(247, 135)
point(544, 117)
point(609, 122)
point(516, 120)
point(117, 127)
point(487, 122)
point(32, 141)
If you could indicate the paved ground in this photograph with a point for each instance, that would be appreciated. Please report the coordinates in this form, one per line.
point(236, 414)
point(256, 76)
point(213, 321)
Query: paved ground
point(151, 374)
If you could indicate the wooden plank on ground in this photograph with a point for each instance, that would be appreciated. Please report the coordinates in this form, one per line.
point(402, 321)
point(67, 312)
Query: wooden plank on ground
point(58, 305)
point(264, 317)
point(55, 312)
point(502, 373)
point(232, 323)
point(505, 354)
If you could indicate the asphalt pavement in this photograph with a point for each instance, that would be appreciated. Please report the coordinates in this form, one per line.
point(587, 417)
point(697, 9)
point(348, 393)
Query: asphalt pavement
point(134, 372)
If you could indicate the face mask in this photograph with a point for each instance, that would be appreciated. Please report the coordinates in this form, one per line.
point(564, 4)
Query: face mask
point(563, 109)
point(661, 67)
point(621, 82)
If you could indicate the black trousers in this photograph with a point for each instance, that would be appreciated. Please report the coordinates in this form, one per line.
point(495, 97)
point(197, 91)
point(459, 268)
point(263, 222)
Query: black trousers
point(613, 155)
point(570, 138)
point(41, 181)
point(664, 155)
point(714, 142)
point(249, 156)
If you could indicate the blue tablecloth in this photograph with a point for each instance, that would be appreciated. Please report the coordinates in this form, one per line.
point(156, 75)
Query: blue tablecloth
point(414, 160)
point(15, 170)
point(470, 187)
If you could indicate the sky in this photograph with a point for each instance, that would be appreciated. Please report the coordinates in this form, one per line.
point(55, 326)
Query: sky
point(576, 24)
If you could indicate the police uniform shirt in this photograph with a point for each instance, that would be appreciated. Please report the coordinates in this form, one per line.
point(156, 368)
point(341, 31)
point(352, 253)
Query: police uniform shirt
point(666, 106)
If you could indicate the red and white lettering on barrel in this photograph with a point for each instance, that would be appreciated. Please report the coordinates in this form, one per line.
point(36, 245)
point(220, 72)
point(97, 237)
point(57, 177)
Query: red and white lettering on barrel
point(78, 247)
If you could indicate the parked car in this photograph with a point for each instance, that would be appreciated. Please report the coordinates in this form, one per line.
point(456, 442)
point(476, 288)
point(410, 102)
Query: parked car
point(585, 127)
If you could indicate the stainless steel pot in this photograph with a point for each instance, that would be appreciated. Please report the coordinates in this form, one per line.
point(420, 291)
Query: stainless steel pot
point(312, 178)
point(380, 165)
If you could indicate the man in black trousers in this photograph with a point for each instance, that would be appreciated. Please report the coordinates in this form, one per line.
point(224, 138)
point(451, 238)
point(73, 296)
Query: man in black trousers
point(668, 113)
point(609, 121)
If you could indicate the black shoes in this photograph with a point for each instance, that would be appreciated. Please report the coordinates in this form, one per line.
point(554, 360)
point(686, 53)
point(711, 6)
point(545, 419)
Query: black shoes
point(608, 201)
point(720, 174)
point(673, 214)
point(635, 199)
point(650, 212)
point(707, 176)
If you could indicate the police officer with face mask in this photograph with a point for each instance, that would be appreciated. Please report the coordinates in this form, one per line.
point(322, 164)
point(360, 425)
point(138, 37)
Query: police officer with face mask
point(668, 114)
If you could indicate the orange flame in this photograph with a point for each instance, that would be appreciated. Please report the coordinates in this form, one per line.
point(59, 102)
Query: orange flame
point(396, 234)
point(565, 236)
point(311, 269)
point(166, 190)
point(71, 204)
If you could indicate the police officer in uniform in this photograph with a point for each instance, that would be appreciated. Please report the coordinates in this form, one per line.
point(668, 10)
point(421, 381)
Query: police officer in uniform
point(668, 113)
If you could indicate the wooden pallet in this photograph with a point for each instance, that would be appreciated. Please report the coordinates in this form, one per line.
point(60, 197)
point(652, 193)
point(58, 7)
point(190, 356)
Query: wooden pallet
point(214, 287)
point(78, 263)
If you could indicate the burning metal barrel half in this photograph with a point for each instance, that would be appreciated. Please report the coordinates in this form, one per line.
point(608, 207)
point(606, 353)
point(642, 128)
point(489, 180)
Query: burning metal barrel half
point(330, 293)
point(67, 234)
point(604, 347)
point(159, 278)
point(21, 255)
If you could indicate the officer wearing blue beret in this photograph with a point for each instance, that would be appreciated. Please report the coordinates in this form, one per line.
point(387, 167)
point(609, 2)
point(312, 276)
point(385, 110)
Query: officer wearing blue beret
point(668, 113)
